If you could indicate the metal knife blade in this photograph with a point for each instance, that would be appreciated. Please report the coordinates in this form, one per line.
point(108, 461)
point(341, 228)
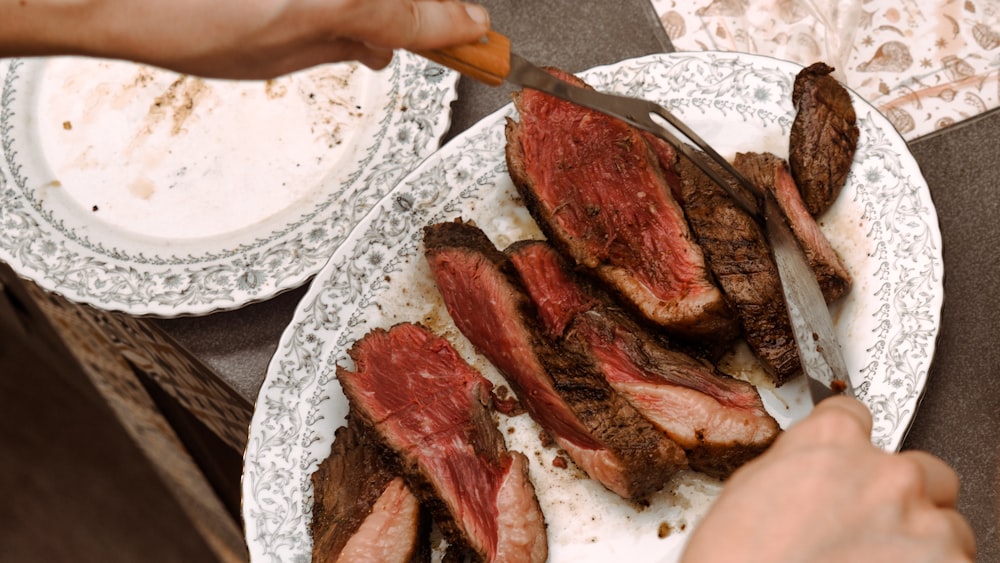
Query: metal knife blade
point(819, 349)
point(492, 62)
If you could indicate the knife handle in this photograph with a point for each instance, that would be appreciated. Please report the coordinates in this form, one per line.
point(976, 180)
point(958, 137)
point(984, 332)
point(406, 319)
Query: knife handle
point(486, 60)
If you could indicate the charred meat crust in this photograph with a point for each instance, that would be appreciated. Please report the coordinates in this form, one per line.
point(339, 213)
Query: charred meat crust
point(739, 256)
point(824, 137)
point(469, 251)
point(719, 421)
point(737, 252)
point(346, 486)
point(559, 388)
point(772, 174)
point(424, 403)
point(597, 191)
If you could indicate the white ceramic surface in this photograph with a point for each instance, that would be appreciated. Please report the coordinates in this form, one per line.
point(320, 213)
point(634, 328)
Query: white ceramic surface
point(884, 225)
point(137, 189)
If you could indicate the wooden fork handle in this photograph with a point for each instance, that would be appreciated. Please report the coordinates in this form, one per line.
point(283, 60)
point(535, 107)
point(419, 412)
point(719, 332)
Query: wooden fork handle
point(486, 60)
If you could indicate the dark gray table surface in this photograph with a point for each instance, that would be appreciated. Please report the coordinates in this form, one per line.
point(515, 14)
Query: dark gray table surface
point(959, 418)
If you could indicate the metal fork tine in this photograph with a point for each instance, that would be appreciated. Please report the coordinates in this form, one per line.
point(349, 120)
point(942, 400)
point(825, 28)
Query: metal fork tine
point(698, 158)
point(753, 208)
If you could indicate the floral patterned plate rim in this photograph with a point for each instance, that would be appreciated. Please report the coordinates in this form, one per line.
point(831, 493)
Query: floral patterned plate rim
point(884, 225)
point(136, 189)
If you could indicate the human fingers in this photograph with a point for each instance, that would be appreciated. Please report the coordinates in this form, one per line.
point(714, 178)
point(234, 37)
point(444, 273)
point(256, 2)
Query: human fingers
point(295, 59)
point(421, 24)
point(938, 479)
point(934, 485)
point(945, 534)
point(375, 58)
point(835, 421)
point(962, 532)
point(851, 406)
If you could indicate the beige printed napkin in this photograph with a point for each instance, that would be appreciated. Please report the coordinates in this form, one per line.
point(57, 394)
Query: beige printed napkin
point(924, 63)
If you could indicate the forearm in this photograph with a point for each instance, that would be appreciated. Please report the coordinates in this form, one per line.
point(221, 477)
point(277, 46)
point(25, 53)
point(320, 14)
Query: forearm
point(42, 27)
point(235, 38)
point(145, 30)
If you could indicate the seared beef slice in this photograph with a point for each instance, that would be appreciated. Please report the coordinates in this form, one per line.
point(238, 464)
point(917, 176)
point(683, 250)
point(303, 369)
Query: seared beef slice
point(427, 405)
point(771, 173)
point(738, 254)
point(561, 390)
point(719, 421)
point(597, 192)
point(362, 511)
point(823, 138)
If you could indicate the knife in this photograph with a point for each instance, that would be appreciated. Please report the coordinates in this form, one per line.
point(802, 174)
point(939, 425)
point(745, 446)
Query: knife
point(491, 61)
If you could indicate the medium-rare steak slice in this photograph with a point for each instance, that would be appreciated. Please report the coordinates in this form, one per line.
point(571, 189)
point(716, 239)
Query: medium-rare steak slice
point(561, 390)
point(597, 192)
point(737, 252)
point(824, 137)
point(427, 405)
point(362, 511)
point(719, 421)
point(771, 173)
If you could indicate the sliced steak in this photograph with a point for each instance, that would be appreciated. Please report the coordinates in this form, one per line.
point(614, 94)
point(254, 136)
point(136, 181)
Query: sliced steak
point(771, 173)
point(561, 390)
point(719, 421)
point(362, 511)
point(824, 137)
point(597, 192)
point(738, 254)
point(427, 405)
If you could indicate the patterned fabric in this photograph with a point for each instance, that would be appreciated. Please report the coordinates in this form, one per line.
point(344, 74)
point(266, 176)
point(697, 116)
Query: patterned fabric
point(925, 64)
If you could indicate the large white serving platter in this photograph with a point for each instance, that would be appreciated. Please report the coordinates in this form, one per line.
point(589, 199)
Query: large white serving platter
point(884, 225)
point(136, 189)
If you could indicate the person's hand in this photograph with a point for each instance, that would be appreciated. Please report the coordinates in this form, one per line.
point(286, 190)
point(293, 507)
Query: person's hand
point(237, 38)
point(824, 493)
